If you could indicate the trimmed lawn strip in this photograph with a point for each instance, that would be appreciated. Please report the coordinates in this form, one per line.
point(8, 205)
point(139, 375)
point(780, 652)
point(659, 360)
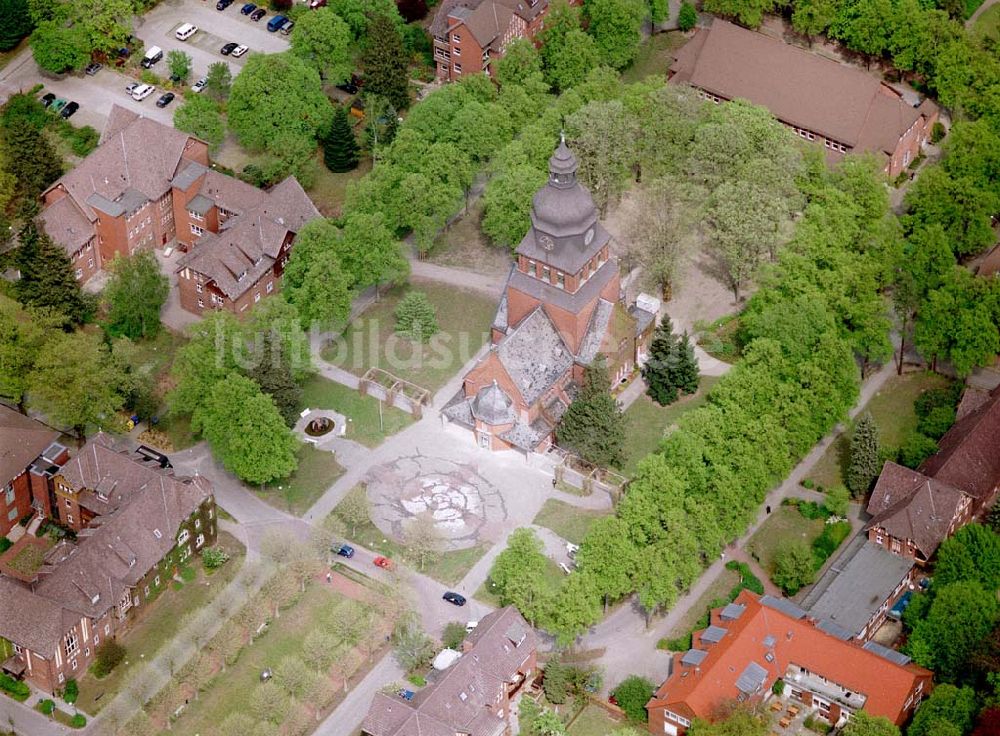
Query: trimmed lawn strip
point(158, 622)
point(892, 410)
point(593, 721)
point(570, 522)
point(317, 471)
point(362, 412)
point(646, 422)
point(782, 527)
point(463, 319)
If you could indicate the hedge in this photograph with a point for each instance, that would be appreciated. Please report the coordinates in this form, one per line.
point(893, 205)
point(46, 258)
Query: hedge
point(15, 688)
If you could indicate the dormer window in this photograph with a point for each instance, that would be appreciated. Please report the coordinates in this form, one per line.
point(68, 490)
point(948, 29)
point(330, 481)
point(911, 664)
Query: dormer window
point(241, 276)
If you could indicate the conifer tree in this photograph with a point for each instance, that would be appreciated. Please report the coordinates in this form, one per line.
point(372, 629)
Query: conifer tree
point(416, 317)
point(274, 376)
point(685, 366)
point(865, 456)
point(340, 148)
point(657, 370)
point(29, 156)
point(47, 278)
point(385, 62)
point(594, 426)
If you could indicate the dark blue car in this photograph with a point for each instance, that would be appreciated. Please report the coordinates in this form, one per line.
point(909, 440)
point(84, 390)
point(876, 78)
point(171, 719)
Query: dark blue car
point(248, 8)
point(344, 550)
point(454, 598)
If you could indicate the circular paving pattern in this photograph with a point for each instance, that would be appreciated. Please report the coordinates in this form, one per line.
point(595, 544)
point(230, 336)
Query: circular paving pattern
point(465, 507)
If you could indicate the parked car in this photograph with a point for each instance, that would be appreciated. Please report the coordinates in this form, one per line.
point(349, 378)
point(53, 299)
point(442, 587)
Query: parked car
point(240, 50)
point(165, 99)
point(344, 550)
point(287, 27)
point(68, 111)
point(454, 598)
point(131, 87)
point(405, 694)
point(349, 87)
point(58, 104)
point(248, 8)
point(199, 85)
point(384, 562)
point(276, 22)
point(153, 55)
point(470, 626)
point(223, 4)
point(186, 31)
point(258, 14)
point(142, 92)
point(48, 99)
point(92, 69)
point(175, 78)
point(228, 48)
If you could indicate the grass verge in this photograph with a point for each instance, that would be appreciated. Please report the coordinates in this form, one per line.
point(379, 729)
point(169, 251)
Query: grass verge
point(317, 471)
point(570, 522)
point(364, 424)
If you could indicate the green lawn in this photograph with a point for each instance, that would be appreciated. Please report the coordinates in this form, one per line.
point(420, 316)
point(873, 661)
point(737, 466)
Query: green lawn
point(317, 471)
point(553, 578)
point(449, 568)
point(655, 56)
point(329, 189)
point(646, 422)
point(892, 410)
point(157, 623)
point(719, 589)
point(569, 522)
point(155, 354)
point(362, 412)
point(463, 318)
point(593, 721)
point(782, 527)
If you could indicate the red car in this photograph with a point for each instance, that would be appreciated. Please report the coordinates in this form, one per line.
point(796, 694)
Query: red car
point(384, 562)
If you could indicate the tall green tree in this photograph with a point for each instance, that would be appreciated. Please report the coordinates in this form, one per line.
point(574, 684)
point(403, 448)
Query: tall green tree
point(75, 383)
point(947, 706)
point(272, 372)
point(865, 456)
point(573, 58)
point(135, 293)
point(656, 371)
point(416, 317)
point(219, 81)
point(200, 116)
point(519, 64)
point(58, 48)
point(324, 41)
point(246, 431)
point(972, 553)
point(603, 136)
point(211, 353)
point(385, 62)
point(28, 156)
point(18, 23)
point(518, 575)
point(741, 721)
point(340, 147)
point(632, 695)
point(607, 557)
point(47, 280)
point(320, 290)
point(179, 64)
point(616, 26)
point(748, 12)
point(593, 426)
point(685, 366)
point(793, 567)
point(863, 724)
point(559, 21)
point(813, 17)
point(23, 336)
point(370, 252)
point(507, 204)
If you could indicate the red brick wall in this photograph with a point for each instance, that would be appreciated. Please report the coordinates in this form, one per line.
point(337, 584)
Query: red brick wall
point(20, 505)
point(910, 143)
point(112, 237)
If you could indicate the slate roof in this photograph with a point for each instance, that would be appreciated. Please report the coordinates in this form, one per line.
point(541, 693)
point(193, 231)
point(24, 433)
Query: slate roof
point(909, 505)
point(535, 355)
point(66, 224)
point(22, 440)
point(29, 620)
point(968, 455)
point(853, 589)
point(491, 12)
point(797, 86)
point(493, 406)
point(738, 660)
point(456, 700)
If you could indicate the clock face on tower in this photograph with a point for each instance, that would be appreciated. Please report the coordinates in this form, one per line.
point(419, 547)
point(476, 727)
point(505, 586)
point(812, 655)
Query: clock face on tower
point(588, 237)
point(546, 242)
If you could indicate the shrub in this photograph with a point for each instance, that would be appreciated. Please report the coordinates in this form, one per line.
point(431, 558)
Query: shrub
point(936, 422)
point(748, 581)
point(778, 687)
point(5, 544)
point(47, 706)
point(188, 574)
point(688, 17)
point(15, 688)
point(934, 398)
point(416, 317)
point(817, 725)
point(418, 680)
point(556, 682)
point(214, 558)
point(453, 635)
point(78, 721)
point(632, 695)
point(794, 567)
point(838, 500)
point(826, 543)
point(150, 77)
point(679, 644)
point(808, 483)
point(937, 132)
point(917, 448)
point(109, 655)
point(83, 140)
point(71, 692)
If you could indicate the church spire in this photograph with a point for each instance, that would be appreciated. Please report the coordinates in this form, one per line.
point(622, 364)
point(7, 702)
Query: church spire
point(562, 166)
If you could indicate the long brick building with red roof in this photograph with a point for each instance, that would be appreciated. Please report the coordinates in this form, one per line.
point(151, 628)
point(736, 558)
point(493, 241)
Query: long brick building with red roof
point(755, 641)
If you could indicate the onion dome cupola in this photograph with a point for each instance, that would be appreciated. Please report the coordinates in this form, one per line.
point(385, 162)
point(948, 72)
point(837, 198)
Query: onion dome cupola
point(562, 210)
point(493, 406)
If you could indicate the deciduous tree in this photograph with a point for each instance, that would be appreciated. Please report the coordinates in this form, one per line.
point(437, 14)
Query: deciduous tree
point(58, 48)
point(424, 542)
point(660, 230)
point(200, 117)
point(616, 26)
point(323, 41)
point(18, 23)
point(135, 294)
point(179, 64)
point(632, 695)
point(219, 81)
point(793, 567)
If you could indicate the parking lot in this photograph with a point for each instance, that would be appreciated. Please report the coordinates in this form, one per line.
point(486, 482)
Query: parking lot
point(97, 94)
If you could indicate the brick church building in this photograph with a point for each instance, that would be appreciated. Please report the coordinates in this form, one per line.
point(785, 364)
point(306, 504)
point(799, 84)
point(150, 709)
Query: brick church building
point(562, 306)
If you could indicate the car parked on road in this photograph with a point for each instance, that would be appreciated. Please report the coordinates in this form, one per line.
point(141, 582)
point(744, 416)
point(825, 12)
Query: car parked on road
point(58, 104)
point(142, 92)
point(344, 550)
point(92, 69)
point(165, 99)
point(240, 50)
point(199, 85)
point(287, 27)
point(454, 598)
point(248, 8)
point(153, 55)
point(223, 4)
point(131, 87)
point(405, 694)
point(229, 48)
point(384, 562)
point(186, 31)
point(48, 99)
point(68, 111)
point(276, 22)
point(258, 14)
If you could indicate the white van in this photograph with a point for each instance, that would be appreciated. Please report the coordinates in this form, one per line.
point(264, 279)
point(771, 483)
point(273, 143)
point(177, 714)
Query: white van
point(153, 55)
point(142, 92)
point(186, 31)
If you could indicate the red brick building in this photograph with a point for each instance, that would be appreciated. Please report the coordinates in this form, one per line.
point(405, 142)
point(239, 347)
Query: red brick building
point(562, 306)
point(755, 641)
point(469, 35)
point(142, 523)
point(824, 102)
point(473, 695)
point(23, 444)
